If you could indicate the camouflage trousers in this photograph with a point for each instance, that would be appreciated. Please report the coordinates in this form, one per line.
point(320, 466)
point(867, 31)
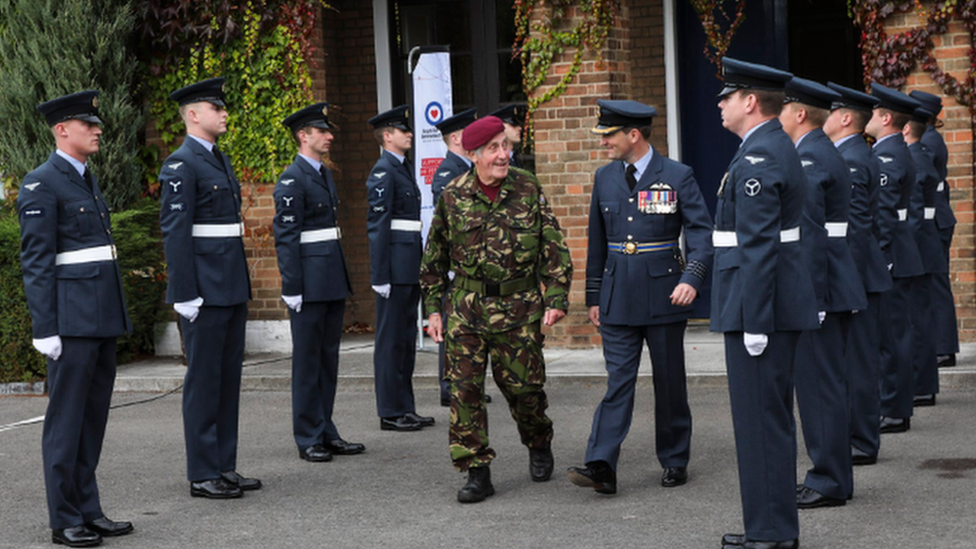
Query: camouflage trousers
point(519, 371)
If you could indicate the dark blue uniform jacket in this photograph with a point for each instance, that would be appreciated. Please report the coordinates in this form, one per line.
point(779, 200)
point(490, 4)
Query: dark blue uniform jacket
point(452, 166)
point(897, 182)
point(392, 195)
point(944, 218)
point(923, 200)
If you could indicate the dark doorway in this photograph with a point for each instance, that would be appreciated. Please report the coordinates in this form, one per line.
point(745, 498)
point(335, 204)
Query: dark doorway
point(823, 42)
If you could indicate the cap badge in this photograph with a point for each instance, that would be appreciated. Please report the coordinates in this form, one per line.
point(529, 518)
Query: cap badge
point(95, 102)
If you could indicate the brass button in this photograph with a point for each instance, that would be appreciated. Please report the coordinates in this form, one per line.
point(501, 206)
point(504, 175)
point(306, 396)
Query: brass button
point(82, 209)
point(215, 187)
point(630, 218)
point(629, 237)
point(631, 200)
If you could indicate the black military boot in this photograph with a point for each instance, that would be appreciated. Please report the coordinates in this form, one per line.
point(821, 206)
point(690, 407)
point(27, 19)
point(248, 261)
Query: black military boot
point(540, 464)
point(478, 487)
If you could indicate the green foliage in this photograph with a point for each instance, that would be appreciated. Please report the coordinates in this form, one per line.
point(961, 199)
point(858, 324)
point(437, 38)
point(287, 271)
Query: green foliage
point(139, 244)
point(20, 361)
point(267, 79)
point(49, 48)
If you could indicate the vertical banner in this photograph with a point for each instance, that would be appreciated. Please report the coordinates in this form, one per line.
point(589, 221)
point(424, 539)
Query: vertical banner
point(432, 103)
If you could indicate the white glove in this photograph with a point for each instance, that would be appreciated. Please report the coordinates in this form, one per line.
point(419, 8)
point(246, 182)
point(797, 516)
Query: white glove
point(822, 315)
point(383, 290)
point(189, 309)
point(49, 346)
point(293, 301)
point(890, 266)
point(755, 343)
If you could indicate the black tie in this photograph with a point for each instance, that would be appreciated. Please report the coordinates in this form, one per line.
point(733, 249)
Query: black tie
point(88, 180)
point(631, 180)
point(322, 172)
point(219, 157)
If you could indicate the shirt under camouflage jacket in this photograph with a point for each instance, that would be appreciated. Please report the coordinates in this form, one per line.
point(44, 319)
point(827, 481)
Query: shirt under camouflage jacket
point(514, 237)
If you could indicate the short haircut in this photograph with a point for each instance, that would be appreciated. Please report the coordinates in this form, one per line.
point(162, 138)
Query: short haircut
point(815, 115)
point(916, 128)
point(378, 133)
point(860, 118)
point(770, 101)
point(898, 119)
point(645, 131)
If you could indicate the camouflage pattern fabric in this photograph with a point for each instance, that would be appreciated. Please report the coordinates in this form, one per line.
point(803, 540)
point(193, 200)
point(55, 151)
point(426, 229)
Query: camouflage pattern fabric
point(514, 237)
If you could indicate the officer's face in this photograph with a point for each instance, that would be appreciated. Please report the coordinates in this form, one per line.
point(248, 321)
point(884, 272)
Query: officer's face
point(834, 125)
point(400, 141)
point(492, 163)
point(619, 144)
point(876, 124)
point(211, 118)
point(318, 140)
point(788, 119)
point(733, 108)
point(513, 133)
point(78, 136)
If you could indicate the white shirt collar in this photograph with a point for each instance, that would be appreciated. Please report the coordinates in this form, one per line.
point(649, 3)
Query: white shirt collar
point(800, 140)
point(80, 166)
point(467, 161)
point(885, 138)
point(315, 163)
point(398, 157)
point(642, 164)
point(843, 140)
point(206, 144)
point(753, 130)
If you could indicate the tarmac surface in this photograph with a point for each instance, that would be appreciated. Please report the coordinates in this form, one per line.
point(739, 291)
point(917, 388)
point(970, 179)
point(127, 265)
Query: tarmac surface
point(401, 492)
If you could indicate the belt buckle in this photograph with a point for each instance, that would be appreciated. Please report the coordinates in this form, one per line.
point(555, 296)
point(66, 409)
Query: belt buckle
point(492, 289)
point(114, 253)
point(630, 248)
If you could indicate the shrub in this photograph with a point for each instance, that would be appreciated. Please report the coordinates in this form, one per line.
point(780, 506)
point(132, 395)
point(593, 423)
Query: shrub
point(20, 361)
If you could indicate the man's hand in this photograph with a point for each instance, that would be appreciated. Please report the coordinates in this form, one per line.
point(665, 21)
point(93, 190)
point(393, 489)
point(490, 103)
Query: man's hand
point(294, 302)
point(434, 328)
point(553, 316)
point(755, 343)
point(683, 295)
point(594, 315)
point(189, 309)
point(49, 346)
point(382, 290)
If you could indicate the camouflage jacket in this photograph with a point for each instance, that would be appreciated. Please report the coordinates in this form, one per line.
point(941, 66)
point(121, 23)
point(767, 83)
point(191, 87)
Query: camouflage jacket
point(516, 236)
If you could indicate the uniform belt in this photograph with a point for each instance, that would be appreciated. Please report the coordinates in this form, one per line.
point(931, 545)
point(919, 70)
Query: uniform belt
point(86, 255)
point(836, 229)
point(495, 289)
point(728, 239)
point(406, 225)
point(903, 214)
point(321, 235)
point(929, 213)
point(631, 247)
point(941, 187)
point(218, 230)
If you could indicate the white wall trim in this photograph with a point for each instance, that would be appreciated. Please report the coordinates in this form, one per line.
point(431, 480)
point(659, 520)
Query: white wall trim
point(671, 80)
point(381, 41)
point(261, 336)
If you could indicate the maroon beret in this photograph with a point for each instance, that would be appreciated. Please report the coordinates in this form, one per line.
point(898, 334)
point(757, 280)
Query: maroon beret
point(481, 131)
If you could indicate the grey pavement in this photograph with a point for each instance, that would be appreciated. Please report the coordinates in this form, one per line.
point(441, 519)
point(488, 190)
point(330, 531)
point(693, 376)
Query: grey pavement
point(401, 492)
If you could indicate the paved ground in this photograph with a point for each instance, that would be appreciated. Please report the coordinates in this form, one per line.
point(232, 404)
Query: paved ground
point(401, 493)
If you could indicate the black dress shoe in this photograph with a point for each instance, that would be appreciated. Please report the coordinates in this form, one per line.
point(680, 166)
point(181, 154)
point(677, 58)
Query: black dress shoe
point(478, 486)
point(736, 541)
point(109, 528)
point(315, 453)
point(808, 498)
point(597, 475)
point(76, 536)
point(487, 398)
point(235, 479)
point(920, 401)
point(895, 424)
point(674, 476)
point(215, 488)
point(946, 361)
point(343, 448)
point(859, 457)
point(424, 421)
point(402, 423)
point(540, 464)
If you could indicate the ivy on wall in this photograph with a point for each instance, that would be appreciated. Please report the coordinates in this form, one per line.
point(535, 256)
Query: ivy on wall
point(717, 40)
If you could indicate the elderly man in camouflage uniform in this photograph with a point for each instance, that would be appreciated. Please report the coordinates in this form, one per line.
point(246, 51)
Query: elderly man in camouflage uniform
point(495, 230)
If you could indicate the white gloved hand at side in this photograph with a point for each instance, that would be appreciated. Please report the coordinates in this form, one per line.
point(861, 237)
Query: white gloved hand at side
point(822, 315)
point(189, 309)
point(755, 343)
point(49, 346)
point(382, 290)
point(294, 302)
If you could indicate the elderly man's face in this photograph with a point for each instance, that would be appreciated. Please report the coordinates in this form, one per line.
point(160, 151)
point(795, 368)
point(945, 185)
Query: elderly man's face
point(492, 163)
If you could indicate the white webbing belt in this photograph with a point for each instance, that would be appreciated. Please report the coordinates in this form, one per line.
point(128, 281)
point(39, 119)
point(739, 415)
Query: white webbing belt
point(903, 214)
point(929, 213)
point(218, 231)
point(321, 235)
point(86, 255)
point(406, 225)
point(836, 229)
point(728, 239)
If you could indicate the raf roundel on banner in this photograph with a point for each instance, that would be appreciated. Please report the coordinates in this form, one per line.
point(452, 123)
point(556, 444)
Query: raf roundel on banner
point(434, 113)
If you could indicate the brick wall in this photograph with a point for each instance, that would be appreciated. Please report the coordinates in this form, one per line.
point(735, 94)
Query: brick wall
point(951, 51)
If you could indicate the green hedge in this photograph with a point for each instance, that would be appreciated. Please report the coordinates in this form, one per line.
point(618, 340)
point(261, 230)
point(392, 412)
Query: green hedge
point(136, 233)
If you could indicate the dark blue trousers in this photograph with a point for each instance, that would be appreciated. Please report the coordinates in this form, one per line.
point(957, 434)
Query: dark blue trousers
point(622, 347)
point(897, 349)
point(212, 389)
point(761, 394)
point(79, 387)
point(947, 340)
point(395, 350)
point(864, 366)
point(315, 336)
point(924, 360)
point(821, 379)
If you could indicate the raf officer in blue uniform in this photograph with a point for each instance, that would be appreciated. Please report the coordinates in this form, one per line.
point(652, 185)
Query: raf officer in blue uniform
point(639, 289)
point(762, 298)
point(74, 292)
point(395, 248)
point(820, 371)
point(455, 163)
point(512, 116)
point(314, 283)
point(921, 217)
point(209, 287)
point(946, 331)
point(845, 127)
point(901, 254)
